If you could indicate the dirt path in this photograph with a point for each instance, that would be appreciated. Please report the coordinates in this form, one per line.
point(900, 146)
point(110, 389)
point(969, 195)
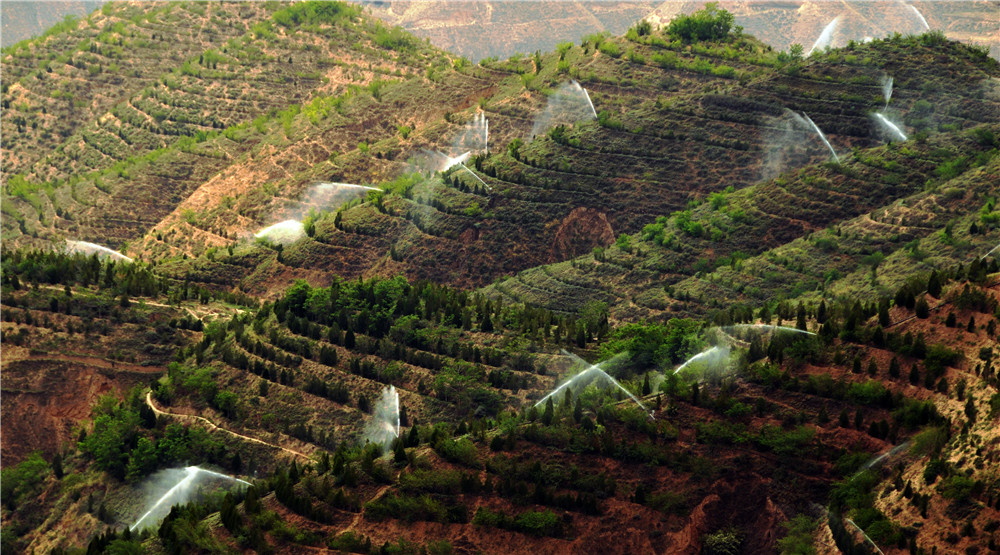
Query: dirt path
point(148, 302)
point(361, 513)
point(212, 426)
point(97, 362)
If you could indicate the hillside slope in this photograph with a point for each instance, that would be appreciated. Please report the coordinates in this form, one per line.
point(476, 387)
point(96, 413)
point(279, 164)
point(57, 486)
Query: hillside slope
point(577, 187)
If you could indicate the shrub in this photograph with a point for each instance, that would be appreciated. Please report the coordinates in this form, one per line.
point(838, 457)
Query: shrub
point(710, 23)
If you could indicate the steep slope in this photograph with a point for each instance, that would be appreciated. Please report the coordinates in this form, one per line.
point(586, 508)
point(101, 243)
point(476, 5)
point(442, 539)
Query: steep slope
point(730, 248)
point(59, 83)
point(573, 188)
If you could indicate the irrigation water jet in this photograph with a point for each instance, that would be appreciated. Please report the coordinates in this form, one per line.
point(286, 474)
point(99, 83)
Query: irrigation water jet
point(83, 247)
point(488, 188)
point(822, 137)
point(569, 104)
point(919, 15)
point(449, 162)
point(587, 96)
point(991, 251)
point(712, 355)
point(886, 89)
point(590, 373)
point(889, 126)
point(770, 327)
point(178, 494)
point(890, 453)
point(282, 233)
point(826, 37)
point(858, 528)
point(384, 425)
point(475, 136)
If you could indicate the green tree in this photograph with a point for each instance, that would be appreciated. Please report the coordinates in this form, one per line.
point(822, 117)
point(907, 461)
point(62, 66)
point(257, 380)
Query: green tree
point(798, 539)
point(710, 23)
point(142, 460)
point(115, 426)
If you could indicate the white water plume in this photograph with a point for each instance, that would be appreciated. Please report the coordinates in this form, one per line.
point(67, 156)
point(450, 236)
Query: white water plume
point(83, 247)
point(488, 188)
point(768, 327)
point(180, 484)
point(384, 424)
point(321, 197)
point(858, 528)
point(822, 137)
point(592, 374)
point(886, 89)
point(919, 15)
point(788, 143)
point(711, 357)
point(569, 104)
point(891, 128)
point(888, 454)
point(475, 136)
point(433, 161)
point(282, 233)
point(991, 251)
point(826, 37)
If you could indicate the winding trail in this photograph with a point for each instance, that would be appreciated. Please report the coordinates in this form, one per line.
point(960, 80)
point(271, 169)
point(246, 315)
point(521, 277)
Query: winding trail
point(213, 426)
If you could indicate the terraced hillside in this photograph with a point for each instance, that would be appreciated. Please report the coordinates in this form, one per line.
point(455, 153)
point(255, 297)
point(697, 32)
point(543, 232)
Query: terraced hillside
point(577, 187)
point(725, 458)
point(796, 353)
point(821, 229)
point(73, 76)
point(290, 56)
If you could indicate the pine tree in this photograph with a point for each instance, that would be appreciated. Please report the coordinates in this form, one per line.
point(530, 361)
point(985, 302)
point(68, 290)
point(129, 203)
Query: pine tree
point(823, 418)
point(894, 368)
point(883, 313)
point(548, 414)
point(970, 409)
point(57, 466)
point(922, 310)
point(934, 285)
point(646, 389)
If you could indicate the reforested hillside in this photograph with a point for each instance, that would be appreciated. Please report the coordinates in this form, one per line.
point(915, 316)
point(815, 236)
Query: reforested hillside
point(669, 292)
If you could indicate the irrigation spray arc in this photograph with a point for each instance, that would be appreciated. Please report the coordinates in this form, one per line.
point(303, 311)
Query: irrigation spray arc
point(822, 137)
point(569, 104)
point(826, 37)
point(322, 196)
point(178, 494)
point(384, 425)
point(892, 128)
point(590, 374)
point(83, 247)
